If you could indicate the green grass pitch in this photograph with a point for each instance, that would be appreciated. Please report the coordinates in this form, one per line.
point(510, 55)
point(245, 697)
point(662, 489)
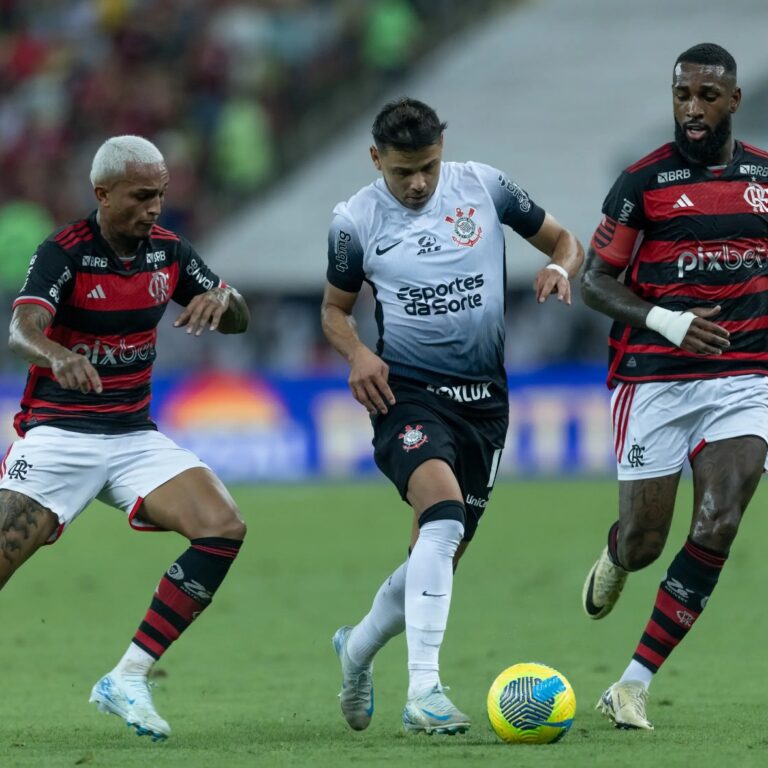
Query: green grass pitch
point(254, 682)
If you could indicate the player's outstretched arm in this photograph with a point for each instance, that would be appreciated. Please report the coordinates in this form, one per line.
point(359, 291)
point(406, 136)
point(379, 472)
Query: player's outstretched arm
point(566, 254)
point(27, 339)
point(368, 373)
point(691, 331)
point(221, 309)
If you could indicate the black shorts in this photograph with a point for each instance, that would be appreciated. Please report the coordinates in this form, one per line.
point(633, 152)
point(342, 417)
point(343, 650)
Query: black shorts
point(423, 425)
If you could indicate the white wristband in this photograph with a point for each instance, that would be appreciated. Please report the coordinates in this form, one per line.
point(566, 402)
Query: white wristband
point(671, 325)
point(562, 270)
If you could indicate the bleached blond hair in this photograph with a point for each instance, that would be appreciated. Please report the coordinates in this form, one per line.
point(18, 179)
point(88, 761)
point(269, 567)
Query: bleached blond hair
point(114, 154)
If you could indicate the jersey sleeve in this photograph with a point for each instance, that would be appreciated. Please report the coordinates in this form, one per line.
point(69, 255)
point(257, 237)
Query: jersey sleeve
point(622, 223)
point(624, 203)
point(345, 256)
point(195, 276)
point(50, 278)
point(514, 205)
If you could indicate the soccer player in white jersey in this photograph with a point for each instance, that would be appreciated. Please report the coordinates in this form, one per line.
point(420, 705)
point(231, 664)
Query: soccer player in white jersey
point(428, 237)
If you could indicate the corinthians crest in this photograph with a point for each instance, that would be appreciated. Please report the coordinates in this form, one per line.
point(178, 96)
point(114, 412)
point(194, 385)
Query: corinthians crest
point(465, 230)
point(412, 437)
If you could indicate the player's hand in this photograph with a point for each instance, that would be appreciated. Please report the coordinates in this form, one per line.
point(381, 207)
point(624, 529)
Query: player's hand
point(704, 337)
point(368, 381)
point(74, 371)
point(203, 310)
point(549, 281)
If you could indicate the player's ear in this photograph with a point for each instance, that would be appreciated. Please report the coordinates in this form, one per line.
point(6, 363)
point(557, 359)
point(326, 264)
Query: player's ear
point(376, 157)
point(735, 100)
point(101, 193)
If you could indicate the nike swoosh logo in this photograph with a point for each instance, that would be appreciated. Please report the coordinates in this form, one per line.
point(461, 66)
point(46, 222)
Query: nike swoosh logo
point(429, 594)
point(382, 251)
point(441, 718)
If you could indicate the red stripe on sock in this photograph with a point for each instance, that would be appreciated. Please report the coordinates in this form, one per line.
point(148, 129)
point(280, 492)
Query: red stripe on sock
point(657, 632)
point(704, 556)
point(164, 627)
point(230, 554)
point(151, 645)
point(653, 658)
point(177, 600)
point(675, 610)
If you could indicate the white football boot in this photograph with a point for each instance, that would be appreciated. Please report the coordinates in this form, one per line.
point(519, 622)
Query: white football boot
point(127, 695)
point(356, 694)
point(624, 703)
point(602, 587)
point(434, 712)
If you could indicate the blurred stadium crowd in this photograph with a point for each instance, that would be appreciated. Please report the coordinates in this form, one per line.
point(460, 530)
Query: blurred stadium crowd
point(235, 93)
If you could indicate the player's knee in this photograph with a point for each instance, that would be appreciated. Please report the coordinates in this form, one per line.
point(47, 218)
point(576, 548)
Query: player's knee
point(717, 532)
point(638, 552)
point(443, 510)
point(442, 524)
point(233, 527)
point(224, 522)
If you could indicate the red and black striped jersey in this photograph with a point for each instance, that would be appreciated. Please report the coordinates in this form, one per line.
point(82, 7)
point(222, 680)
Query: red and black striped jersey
point(699, 238)
point(109, 313)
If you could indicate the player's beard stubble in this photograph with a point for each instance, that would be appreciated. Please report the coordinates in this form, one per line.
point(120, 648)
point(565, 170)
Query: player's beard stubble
point(707, 150)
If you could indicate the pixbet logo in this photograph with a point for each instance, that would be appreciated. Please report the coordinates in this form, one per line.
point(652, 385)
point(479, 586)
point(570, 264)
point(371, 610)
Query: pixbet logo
point(104, 354)
point(720, 259)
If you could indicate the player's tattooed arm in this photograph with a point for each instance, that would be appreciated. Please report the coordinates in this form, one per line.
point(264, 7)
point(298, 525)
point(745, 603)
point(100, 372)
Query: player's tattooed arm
point(24, 526)
point(28, 340)
point(27, 336)
point(221, 309)
point(602, 291)
point(237, 316)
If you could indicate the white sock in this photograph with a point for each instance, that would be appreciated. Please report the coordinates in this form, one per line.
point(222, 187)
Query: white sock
point(385, 620)
point(428, 586)
point(135, 661)
point(639, 672)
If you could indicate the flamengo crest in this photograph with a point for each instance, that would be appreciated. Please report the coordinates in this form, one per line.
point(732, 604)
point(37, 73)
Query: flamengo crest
point(757, 197)
point(465, 230)
point(412, 437)
point(159, 287)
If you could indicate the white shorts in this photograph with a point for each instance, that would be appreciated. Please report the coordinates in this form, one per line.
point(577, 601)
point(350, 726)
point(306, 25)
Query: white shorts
point(64, 471)
point(657, 425)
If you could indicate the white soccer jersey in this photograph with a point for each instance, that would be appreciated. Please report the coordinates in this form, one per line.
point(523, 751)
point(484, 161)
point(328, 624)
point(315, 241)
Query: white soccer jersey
point(438, 273)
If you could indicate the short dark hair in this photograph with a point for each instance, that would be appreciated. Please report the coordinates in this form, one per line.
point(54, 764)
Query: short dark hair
point(711, 54)
point(407, 125)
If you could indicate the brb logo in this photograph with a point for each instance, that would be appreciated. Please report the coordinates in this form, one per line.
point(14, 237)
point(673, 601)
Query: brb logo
point(720, 259)
point(441, 299)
